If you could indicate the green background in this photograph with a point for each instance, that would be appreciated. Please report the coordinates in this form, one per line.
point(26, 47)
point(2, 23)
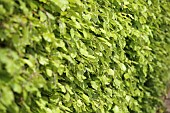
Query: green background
point(83, 56)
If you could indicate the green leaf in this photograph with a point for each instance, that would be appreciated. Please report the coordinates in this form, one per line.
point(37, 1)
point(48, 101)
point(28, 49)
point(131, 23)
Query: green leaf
point(2, 10)
point(104, 80)
point(122, 66)
point(43, 16)
point(62, 27)
point(49, 37)
point(80, 76)
point(94, 85)
point(69, 89)
point(117, 82)
point(62, 88)
point(28, 62)
point(49, 15)
point(149, 2)
point(72, 33)
point(48, 110)
point(64, 107)
point(63, 4)
point(2, 108)
point(17, 88)
point(76, 24)
point(7, 96)
point(43, 60)
point(49, 72)
point(61, 69)
point(57, 110)
point(111, 72)
point(126, 75)
point(86, 98)
point(85, 34)
point(109, 91)
point(44, 1)
point(116, 109)
point(79, 103)
point(105, 41)
point(84, 52)
point(67, 97)
point(128, 98)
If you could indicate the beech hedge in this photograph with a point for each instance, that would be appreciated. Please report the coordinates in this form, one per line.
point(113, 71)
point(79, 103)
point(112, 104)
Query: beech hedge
point(83, 56)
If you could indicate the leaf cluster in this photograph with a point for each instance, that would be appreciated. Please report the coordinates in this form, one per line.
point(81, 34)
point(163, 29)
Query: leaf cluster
point(83, 56)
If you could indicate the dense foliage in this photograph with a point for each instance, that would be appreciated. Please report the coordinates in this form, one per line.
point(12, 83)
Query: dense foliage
point(83, 56)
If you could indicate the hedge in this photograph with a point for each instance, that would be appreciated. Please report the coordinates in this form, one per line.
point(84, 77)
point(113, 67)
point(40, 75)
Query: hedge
point(83, 56)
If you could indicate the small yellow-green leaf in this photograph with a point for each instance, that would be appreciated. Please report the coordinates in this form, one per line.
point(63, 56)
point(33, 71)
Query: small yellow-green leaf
point(79, 103)
point(72, 32)
point(116, 109)
point(43, 60)
point(110, 72)
point(43, 16)
point(49, 72)
point(28, 62)
point(84, 52)
point(122, 66)
point(126, 75)
point(94, 85)
point(17, 88)
point(86, 98)
point(62, 88)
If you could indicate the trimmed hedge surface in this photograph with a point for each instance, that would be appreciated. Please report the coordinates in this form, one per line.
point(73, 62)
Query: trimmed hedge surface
point(83, 56)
